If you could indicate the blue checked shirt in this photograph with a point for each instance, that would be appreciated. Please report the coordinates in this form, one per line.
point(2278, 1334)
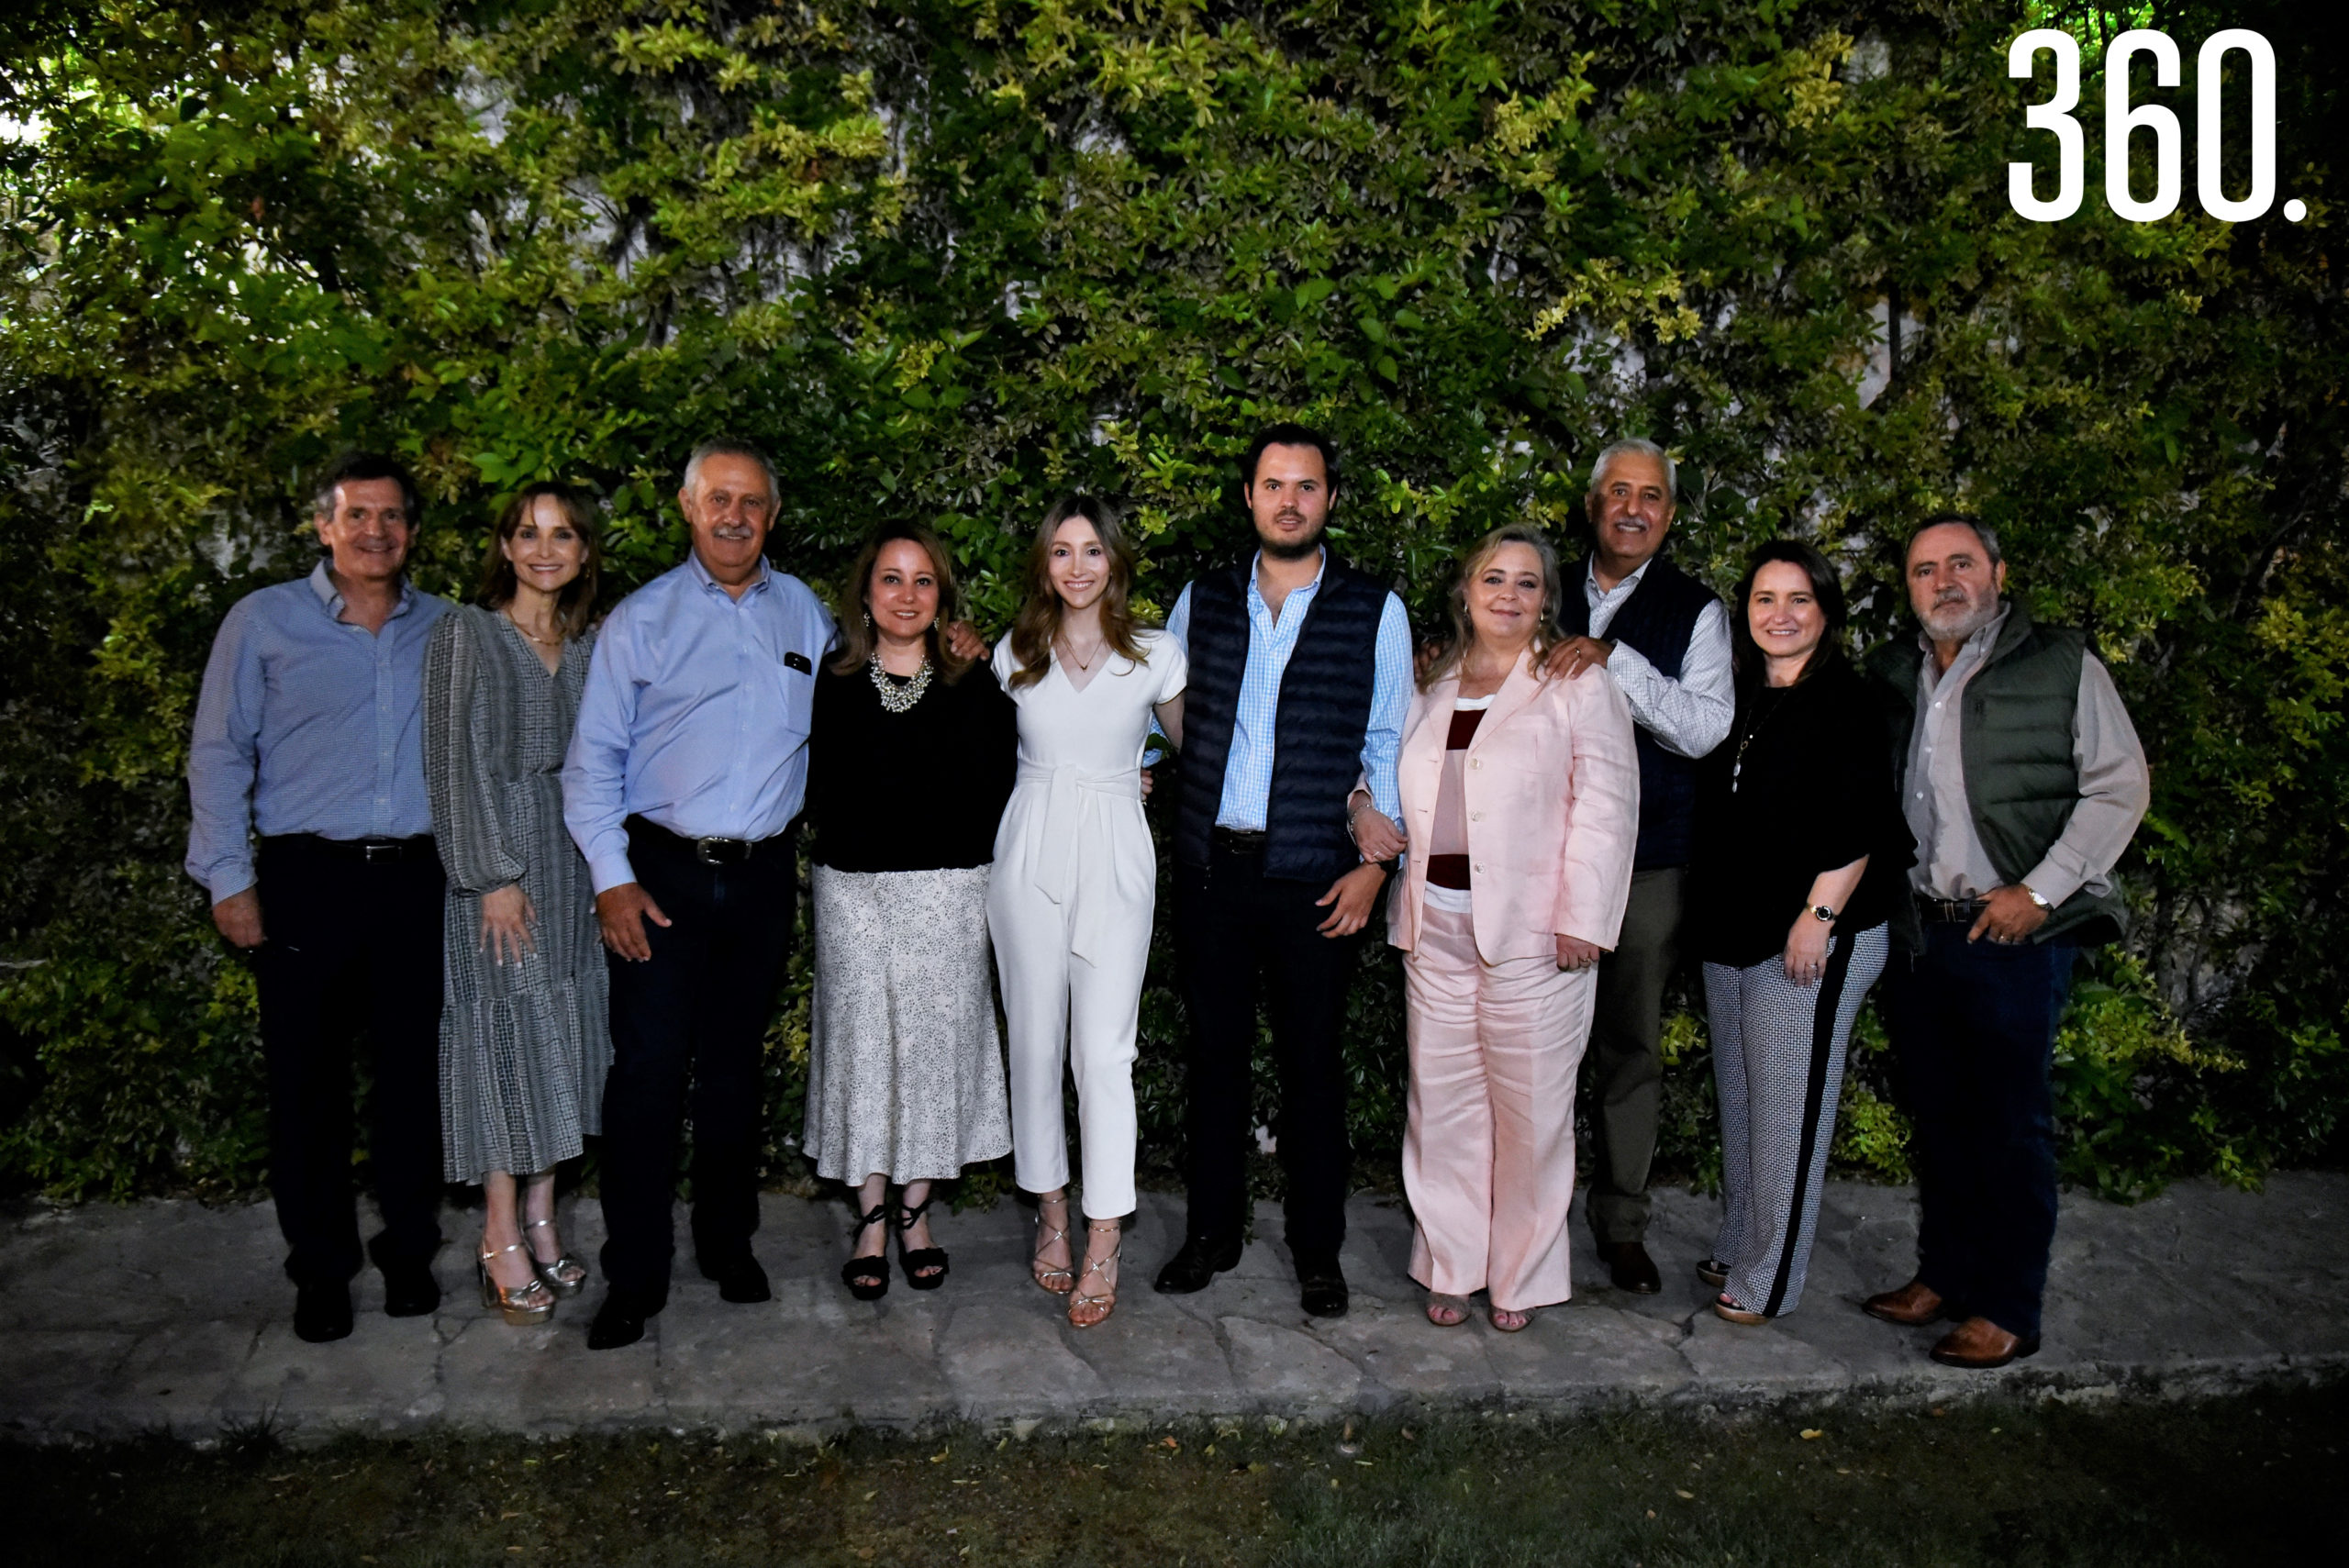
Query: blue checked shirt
point(696, 715)
point(307, 724)
point(1248, 774)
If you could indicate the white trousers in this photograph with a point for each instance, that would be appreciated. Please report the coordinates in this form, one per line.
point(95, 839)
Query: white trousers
point(1084, 1010)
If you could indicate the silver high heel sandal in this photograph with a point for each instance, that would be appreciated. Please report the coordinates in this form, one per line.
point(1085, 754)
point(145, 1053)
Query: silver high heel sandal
point(566, 1274)
point(1108, 1301)
point(524, 1306)
point(1045, 1277)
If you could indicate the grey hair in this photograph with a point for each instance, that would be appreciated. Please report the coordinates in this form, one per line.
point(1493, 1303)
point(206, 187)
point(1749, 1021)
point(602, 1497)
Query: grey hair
point(724, 446)
point(1982, 530)
point(1628, 446)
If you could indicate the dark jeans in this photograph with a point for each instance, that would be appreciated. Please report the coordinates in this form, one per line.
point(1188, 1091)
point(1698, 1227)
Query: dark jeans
point(687, 1025)
point(1622, 1071)
point(1973, 1027)
point(1236, 928)
point(353, 947)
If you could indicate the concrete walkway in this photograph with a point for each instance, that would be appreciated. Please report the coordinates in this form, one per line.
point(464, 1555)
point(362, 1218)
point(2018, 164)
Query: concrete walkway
point(173, 1318)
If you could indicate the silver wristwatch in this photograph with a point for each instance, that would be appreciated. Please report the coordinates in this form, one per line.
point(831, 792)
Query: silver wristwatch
point(2036, 898)
point(1823, 914)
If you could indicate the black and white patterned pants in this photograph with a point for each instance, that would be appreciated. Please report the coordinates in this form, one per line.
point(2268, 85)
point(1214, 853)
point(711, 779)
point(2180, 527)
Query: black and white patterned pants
point(1777, 1068)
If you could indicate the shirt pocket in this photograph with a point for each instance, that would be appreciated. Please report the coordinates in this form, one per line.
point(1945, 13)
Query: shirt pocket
point(795, 679)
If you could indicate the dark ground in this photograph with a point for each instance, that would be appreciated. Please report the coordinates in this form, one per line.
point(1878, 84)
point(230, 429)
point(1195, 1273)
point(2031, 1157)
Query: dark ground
point(2250, 1478)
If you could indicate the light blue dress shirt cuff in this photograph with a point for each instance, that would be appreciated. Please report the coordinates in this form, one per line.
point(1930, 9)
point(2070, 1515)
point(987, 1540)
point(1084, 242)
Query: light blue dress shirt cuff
point(1390, 705)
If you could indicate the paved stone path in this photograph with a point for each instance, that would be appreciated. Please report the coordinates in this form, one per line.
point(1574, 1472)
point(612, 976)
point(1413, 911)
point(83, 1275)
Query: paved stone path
point(171, 1317)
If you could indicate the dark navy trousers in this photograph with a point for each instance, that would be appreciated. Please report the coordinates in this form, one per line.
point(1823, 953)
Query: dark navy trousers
point(1973, 1027)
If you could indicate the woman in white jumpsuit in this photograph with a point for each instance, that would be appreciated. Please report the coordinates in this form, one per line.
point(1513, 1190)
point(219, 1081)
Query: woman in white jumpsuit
point(1075, 880)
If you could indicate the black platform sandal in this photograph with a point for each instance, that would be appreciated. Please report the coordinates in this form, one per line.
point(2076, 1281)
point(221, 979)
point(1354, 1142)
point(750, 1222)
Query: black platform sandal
point(913, 1259)
point(867, 1278)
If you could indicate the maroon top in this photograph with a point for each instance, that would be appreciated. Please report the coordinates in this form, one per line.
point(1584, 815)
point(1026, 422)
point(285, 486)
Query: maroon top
point(1451, 871)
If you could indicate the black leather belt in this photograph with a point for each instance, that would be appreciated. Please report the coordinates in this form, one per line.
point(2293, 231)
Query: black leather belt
point(1949, 911)
point(1238, 840)
point(708, 851)
point(367, 849)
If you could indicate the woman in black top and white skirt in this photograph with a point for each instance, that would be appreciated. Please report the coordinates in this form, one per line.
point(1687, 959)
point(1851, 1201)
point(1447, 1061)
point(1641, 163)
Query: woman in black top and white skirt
point(910, 759)
point(1800, 851)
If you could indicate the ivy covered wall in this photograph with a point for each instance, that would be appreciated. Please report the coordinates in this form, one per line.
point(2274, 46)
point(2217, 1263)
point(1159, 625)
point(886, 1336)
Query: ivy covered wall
point(947, 257)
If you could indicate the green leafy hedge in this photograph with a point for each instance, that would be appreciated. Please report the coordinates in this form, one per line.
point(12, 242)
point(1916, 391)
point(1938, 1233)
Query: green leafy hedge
point(949, 256)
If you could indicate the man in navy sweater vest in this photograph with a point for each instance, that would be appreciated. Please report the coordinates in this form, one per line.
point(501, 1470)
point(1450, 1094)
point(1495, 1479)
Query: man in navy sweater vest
point(1664, 637)
point(1300, 680)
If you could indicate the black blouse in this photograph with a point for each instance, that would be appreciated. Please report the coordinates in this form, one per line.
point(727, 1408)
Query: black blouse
point(921, 790)
point(1802, 786)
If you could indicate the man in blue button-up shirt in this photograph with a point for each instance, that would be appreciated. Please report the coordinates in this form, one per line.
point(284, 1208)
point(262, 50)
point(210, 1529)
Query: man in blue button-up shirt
point(688, 765)
point(1301, 683)
point(310, 730)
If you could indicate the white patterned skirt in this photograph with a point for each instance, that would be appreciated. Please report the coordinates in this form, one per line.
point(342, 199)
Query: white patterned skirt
point(904, 1068)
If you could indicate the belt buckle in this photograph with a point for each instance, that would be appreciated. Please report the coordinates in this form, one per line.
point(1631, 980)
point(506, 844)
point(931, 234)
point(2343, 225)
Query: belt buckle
point(705, 851)
point(370, 850)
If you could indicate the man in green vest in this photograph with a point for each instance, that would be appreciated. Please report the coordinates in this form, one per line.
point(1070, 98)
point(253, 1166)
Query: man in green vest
point(2023, 779)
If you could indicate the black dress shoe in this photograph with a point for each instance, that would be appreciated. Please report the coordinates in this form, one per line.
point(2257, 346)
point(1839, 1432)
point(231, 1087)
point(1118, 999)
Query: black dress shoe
point(741, 1281)
point(619, 1321)
point(1195, 1267)
point(1629, 1265)
point(322, 1312)
point(410, 1290)
point(1321, 1286)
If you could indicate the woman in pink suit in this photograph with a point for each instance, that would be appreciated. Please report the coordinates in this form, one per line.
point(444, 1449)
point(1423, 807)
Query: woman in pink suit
point(1520, 799)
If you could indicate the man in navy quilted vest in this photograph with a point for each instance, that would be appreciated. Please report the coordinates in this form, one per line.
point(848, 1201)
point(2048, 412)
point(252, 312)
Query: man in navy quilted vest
point(1300, 680)
point(1664, 637)
point(2023, 780)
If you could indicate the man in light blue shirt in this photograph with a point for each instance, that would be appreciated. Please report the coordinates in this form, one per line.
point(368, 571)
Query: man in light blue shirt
point(687, 767)
point(310, 728)
point(1300, 681)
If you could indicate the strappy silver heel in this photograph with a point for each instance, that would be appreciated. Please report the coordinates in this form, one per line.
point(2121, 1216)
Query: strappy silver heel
point(1108, 1301)
point(1045, 1276)
point(524, 1306)
point(565, 1274)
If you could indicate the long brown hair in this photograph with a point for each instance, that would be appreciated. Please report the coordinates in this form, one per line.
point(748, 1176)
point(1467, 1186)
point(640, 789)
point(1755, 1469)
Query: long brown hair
point(1826, 591)
point(1038, 624)
point(574, 605)
point(857, 637)
point(1547, 631)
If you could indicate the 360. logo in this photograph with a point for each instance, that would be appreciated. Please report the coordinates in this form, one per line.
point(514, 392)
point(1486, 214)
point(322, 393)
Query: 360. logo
point(2122, 120)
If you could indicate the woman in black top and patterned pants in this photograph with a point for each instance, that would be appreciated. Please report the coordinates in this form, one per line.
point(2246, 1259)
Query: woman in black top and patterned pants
point(911, 761)
point(1800, 848)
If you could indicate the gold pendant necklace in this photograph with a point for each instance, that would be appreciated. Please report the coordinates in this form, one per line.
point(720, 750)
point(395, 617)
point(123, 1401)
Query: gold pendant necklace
point(526, 631)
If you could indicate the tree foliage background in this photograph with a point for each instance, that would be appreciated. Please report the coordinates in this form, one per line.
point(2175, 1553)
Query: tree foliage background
point(951, 257)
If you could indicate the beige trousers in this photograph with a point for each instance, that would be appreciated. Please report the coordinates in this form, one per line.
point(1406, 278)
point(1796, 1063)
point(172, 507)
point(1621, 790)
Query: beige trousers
point(1488, 1153)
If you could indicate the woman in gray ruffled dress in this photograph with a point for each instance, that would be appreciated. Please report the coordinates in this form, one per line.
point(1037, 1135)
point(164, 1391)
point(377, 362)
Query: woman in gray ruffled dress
point(525, 1040)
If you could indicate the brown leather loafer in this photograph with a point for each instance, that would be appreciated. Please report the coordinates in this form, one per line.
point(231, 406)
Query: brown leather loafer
point(1912, 1305)
point(1977, 1344)
point(1629, 1265)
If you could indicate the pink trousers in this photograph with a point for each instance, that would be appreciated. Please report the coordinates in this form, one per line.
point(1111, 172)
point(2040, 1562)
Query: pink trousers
point(1488, 1153)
